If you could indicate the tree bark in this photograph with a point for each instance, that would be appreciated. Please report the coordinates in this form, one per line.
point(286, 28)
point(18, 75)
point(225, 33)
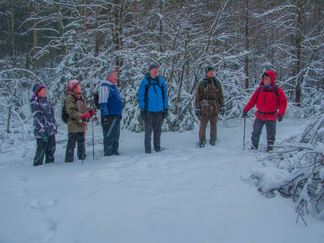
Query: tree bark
point(247, 45)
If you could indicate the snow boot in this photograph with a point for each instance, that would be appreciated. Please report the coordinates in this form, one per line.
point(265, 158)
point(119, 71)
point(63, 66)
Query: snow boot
point(270, 146)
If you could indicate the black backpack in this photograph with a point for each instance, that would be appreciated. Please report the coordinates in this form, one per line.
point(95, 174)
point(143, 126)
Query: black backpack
point(96, 99)
point(147, 86)
point(64, 115)
point(274, 91)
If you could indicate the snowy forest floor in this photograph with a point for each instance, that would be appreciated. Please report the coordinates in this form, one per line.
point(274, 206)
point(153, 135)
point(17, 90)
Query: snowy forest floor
point(182, 194)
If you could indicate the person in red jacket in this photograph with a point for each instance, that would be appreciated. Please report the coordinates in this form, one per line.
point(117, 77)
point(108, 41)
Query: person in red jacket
point(271, 104)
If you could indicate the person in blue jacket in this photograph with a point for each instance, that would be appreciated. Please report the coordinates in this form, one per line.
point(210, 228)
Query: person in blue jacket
point(111, 106)
point(153, 103)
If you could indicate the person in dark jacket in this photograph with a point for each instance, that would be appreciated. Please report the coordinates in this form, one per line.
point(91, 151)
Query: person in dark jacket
point(271, 104)
point(111, 107)
point(76, 108)
point(153, 103)
point(44, 124)
point(209, 103)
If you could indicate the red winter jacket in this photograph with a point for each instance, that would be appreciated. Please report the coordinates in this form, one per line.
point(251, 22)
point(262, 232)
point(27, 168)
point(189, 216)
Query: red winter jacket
point(267, 102)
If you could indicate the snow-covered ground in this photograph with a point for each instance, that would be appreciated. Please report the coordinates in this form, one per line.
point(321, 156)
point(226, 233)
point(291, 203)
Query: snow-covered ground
point(182, 194)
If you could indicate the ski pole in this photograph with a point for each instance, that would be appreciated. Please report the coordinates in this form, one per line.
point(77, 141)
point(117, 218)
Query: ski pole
point(93, 152)
point(85, 130)
point(244, 133)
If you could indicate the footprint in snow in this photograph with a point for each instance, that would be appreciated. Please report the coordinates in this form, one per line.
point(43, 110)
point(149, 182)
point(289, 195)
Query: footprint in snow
point(38, 205)
point(19, 178)
point(48, 230)
point(22, 192)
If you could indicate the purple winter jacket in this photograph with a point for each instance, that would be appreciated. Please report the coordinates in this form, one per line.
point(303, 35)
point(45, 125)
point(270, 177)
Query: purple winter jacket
point(43, 117)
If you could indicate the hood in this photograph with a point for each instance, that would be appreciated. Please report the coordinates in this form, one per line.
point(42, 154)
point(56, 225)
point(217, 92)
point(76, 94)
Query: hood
point(272, 76)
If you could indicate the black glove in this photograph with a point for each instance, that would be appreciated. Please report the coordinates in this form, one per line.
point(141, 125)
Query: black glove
point(197, 112)
point(222, 111)
point(165, 114)
point(244, 113)
point(45, 137)
point(279, 118)
point(143, 115)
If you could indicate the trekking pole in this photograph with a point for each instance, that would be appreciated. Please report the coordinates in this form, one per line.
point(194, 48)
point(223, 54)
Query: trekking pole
point(93, 152)
point(244, 133)
point(85, 130)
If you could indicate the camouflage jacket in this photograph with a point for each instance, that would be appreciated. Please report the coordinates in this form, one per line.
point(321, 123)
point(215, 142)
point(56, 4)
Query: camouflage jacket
point(209, 96)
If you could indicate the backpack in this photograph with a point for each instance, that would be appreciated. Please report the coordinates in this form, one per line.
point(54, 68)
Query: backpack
point(96, 99)
point(64, 115)
point(274, 91)
point(215, 81)
point(147, 86)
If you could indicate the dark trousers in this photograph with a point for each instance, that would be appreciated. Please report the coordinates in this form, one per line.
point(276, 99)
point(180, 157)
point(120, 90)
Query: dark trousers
point(213, 128)
point(73, 139)
point(271, 132)
point(46, 149)
point(111, 133)
point(153, 123)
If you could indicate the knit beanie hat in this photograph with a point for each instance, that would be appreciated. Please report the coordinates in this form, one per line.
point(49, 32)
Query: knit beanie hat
point(37, 88)
point(208, 68)
point(71, 84)
point(111, 71)
point(153, 65)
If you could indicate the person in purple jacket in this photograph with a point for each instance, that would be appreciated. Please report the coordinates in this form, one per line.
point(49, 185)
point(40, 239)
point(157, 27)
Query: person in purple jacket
point(44, 124)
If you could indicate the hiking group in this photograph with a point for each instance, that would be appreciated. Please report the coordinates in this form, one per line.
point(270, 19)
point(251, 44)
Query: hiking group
point(269, 99)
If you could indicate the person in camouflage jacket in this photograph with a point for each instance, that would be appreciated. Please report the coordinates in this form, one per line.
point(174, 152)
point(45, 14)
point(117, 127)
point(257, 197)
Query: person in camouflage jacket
point(209, 103)
point(44, 124)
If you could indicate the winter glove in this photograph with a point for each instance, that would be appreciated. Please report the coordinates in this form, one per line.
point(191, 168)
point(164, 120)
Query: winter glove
point(92, 112)
point(45, 137)
point(197, 112)
point(279, 118)
point(222, 111)
point(85, 116)
point(165, 114)
point(244, 113)
point(143, 115)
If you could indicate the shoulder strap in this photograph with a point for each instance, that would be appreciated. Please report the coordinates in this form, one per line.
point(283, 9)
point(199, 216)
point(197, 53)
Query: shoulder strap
point(147, 86)
point(274, 91)
point(216, 82)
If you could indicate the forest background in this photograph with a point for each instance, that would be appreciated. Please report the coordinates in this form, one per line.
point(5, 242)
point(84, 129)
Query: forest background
point(53, 41)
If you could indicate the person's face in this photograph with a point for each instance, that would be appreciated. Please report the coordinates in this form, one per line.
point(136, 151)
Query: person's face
point(154, 72)
point(42, 93)
point(78, 88)
point(266, 80)
point(210, 74)
point(113, 78)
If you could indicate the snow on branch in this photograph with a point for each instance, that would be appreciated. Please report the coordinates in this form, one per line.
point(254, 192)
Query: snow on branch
point(296, 170)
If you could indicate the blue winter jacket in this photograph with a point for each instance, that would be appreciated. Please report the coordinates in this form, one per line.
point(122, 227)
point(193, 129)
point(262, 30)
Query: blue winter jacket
point(110, 102)
point(154, 95)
